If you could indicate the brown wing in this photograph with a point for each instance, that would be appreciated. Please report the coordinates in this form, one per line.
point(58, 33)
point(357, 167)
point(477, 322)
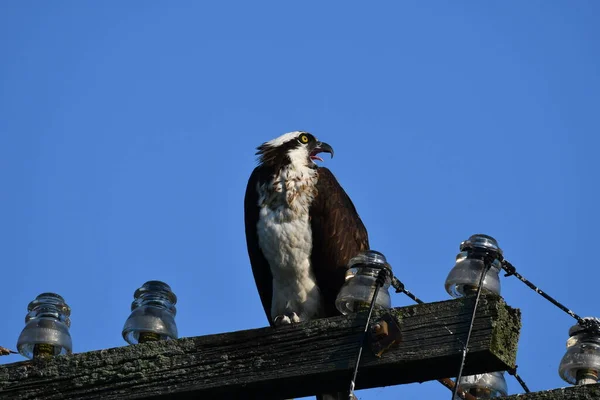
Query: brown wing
point(338, 235)
point(260, 266)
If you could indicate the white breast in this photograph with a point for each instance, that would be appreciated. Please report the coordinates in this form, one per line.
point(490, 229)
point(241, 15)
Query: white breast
point(285, 239)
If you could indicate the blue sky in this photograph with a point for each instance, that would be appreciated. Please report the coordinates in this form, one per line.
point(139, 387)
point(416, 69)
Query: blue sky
point(128, 132)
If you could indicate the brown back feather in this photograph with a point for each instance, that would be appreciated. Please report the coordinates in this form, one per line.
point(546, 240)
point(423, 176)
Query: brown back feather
point(338, 235)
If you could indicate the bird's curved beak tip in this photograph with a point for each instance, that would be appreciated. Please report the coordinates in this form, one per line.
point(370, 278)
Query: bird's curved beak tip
point(321, 147)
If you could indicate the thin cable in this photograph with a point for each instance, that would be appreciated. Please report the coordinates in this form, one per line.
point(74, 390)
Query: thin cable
point(585, 323)
point(400, 288)
point(513, 372)
point(4, 351)
point(484, 270)
point(379, 283)
point(447, 382)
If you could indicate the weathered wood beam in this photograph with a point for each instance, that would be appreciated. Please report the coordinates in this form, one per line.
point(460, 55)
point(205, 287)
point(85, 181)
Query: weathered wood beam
point(270, 363)
point(583, 392)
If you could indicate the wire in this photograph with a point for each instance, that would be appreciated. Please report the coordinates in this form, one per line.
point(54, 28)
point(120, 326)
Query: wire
point(447, 382)
point(4, 351)
point(400, 288)
point(379, 283)
point(513, 372)
point(585, 323)
point(484, 270)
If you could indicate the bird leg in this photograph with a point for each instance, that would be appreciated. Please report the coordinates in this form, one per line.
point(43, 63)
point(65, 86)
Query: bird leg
point(286, 319)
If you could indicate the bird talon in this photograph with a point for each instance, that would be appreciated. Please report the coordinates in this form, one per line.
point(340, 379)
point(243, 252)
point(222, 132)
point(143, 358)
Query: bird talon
point(286, 319)
point(294, 318)
point(281, 320)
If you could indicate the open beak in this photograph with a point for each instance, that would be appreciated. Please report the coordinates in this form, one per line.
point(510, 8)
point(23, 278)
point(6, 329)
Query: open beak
point(321, 147)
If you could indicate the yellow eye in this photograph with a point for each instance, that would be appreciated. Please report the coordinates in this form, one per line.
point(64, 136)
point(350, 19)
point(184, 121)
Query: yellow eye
point(304, 138)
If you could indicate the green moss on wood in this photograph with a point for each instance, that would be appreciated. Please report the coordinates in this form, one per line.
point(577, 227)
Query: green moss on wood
point(585, 392)
point(281, 362)
point(505, 336)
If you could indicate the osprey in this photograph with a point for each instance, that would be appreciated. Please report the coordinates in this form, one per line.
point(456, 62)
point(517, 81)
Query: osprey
point(301, 230)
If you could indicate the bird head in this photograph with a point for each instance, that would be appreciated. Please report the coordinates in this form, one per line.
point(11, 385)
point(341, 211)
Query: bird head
point(296, 148)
